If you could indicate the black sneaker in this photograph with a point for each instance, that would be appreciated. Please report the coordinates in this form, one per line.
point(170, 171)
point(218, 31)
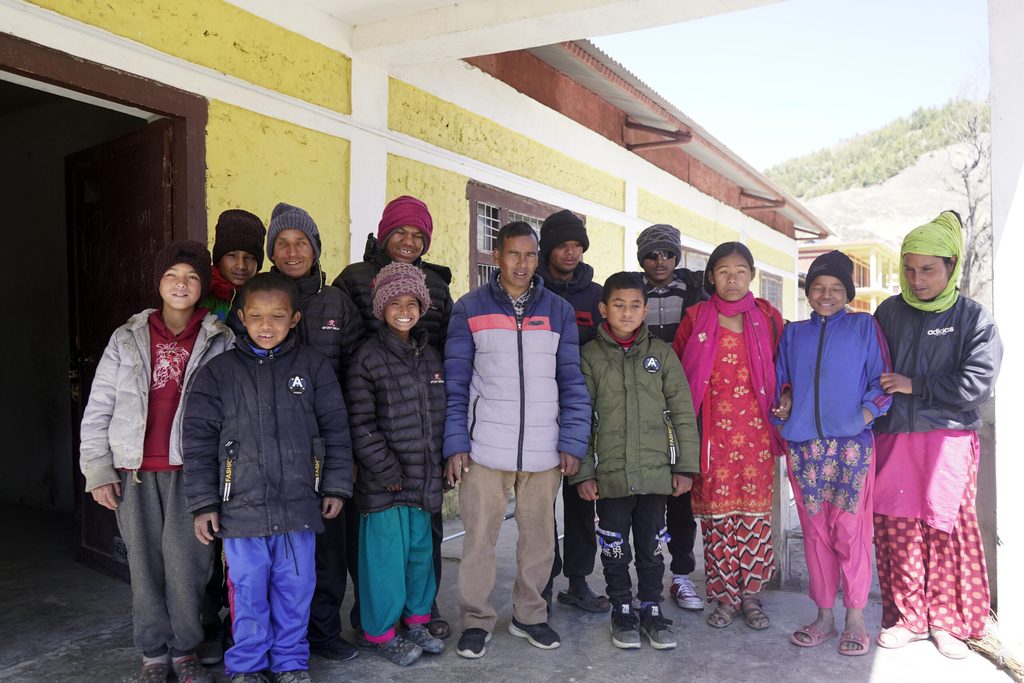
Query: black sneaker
point(338, 650)
point(538, 635)
point(625, 627)
point(472, 643)
point(249, 678)
point(297, 676)
point(656, 628)
point(211, 650)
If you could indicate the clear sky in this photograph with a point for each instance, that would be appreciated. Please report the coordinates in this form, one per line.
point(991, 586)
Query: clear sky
point(790, 78)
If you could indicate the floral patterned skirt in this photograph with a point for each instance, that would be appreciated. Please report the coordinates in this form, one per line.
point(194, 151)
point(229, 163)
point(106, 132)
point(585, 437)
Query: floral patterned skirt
point(831, 470)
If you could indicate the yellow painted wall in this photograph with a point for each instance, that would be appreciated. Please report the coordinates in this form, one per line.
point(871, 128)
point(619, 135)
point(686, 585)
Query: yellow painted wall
point(222, 37)
point(444, 193)
point(655, 209)
point(254, 162)
point(772, 256)
point(424, 116)
point(606, 251)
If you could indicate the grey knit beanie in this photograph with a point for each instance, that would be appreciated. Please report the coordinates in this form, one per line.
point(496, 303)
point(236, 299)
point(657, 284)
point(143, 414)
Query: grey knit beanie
point(660, 237)
point(288, 217)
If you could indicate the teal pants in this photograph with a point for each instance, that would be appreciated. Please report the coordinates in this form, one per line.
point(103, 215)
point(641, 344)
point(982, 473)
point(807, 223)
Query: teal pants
point(396, 570)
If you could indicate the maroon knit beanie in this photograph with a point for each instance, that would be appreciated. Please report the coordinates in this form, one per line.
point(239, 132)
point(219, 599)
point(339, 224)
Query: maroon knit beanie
point(239, 230)
point(399, 279)
point(191, 253)
point(405, 210)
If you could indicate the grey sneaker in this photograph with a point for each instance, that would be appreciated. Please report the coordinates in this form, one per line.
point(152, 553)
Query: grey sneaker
point(625, 627)
point(249, 678)
point(656, 628)
point(155, 672)
point(400, 651)
point(421, 636)
point(189, 670)
point(298, 676)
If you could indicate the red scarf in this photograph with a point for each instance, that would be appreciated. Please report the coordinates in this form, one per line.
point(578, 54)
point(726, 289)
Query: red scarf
point(626, 344)
point(701, 348)
point(220, 287)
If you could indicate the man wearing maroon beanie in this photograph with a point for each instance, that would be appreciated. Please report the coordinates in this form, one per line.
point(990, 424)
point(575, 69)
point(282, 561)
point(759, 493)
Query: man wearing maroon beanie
point(403, 236)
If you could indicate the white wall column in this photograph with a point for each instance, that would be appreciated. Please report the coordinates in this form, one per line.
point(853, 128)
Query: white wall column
point(368, 167)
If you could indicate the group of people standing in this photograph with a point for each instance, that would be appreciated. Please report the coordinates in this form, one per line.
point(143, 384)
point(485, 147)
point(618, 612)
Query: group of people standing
point(290, 434)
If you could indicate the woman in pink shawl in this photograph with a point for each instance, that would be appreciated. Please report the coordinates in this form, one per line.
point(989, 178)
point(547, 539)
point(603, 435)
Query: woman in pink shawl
point(727, 347)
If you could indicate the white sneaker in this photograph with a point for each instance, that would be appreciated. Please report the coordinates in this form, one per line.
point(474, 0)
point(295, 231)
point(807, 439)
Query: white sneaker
point(685, 594)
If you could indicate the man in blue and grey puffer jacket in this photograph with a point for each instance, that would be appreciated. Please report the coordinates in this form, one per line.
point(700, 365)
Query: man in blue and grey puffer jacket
point(518, 416)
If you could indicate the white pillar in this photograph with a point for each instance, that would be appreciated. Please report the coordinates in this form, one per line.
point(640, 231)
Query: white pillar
point(1006, 25)
point(368, 167)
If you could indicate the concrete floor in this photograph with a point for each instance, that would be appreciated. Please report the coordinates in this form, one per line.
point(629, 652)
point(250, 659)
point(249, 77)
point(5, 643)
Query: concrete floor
point(60, 621)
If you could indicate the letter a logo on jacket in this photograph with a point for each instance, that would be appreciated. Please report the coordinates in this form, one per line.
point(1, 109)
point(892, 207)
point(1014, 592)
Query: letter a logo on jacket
point(296, 385)
point(652, 364)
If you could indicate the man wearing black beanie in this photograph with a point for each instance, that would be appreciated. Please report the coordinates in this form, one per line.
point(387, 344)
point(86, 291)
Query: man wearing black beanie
point(563, 239)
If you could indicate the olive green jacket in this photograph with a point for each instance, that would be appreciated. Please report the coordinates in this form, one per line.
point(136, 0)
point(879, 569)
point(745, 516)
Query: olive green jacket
point(643, 413)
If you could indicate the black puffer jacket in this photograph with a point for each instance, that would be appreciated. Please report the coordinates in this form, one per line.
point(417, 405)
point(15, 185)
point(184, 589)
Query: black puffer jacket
point(952, 358)
point(330, 321)
point(355, 281)
point(275, 417)
point(582, 293)
point(397, 404)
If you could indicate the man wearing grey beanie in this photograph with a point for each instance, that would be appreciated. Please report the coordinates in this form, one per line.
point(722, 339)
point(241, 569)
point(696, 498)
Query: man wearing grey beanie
point(670, 291)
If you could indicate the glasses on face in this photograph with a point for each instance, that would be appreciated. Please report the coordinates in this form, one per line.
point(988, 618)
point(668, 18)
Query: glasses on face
point(659, 254)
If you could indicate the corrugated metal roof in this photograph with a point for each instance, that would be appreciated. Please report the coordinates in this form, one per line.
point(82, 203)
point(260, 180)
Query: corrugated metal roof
point(595, 70)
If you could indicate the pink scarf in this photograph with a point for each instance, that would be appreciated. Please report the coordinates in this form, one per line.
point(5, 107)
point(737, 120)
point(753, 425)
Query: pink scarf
point(698, 356)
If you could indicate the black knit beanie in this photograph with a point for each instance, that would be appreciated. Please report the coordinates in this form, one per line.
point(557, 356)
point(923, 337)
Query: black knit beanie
point(288, 217)
point(660, 237)
point(191, 253)
point(834, 263)
point(239, 230)
point(564, 226)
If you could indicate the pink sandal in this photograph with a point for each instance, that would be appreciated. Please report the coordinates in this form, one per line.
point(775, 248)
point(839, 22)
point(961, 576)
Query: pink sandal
point(816, 636)
point(859, 639)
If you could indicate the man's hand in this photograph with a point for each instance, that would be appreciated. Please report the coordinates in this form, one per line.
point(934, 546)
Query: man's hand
point(456, 466)
point(205, 525)
point(895, 383)
point(570, 465)
point(107, 495)
point(587, 489)
point(785, 405)
point(330, 507)
point(681, 483)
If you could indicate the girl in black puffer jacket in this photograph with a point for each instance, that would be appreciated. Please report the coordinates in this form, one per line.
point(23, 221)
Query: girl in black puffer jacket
point(397, 402)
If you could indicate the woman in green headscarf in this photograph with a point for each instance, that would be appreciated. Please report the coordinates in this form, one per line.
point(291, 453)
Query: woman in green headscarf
point(945, 353)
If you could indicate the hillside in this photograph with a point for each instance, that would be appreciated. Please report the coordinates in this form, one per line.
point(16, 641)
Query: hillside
point(872, 158)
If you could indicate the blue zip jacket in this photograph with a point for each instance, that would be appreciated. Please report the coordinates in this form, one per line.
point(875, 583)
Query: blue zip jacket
point(833, 366)
point(516, 395)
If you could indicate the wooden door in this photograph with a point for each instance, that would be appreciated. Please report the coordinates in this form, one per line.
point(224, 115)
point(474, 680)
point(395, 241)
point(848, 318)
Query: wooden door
point(119, 200)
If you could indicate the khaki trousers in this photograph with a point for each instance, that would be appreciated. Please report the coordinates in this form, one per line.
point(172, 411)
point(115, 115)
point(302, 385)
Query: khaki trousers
point(483, 497)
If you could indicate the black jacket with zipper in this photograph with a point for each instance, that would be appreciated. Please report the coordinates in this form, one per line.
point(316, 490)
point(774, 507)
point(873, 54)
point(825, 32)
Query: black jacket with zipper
point(280, 419)
point(330, 321)
point(356, 280)
point(952, 359)
point(396, 411)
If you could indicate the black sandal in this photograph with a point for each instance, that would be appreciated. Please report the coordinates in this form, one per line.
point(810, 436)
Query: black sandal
point(586, 600)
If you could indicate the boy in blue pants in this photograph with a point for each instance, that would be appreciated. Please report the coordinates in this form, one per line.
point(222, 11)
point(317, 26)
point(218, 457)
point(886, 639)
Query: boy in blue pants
point(267, 452)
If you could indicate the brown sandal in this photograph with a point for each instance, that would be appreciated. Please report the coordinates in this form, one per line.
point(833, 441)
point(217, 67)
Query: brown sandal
point(721, 616)
point(753, 614)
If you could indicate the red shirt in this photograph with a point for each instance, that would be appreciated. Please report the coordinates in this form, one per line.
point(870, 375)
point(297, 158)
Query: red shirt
point(169, 354)
point(626, 344)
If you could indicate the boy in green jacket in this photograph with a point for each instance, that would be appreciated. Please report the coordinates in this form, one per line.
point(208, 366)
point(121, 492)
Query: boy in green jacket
point(643, 448)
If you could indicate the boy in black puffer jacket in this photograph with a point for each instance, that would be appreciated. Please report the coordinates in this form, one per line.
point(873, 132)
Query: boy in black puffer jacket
point(397, 401)
point(267, 453)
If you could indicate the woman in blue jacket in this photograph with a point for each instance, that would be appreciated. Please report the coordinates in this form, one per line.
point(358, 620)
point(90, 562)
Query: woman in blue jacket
point(829, 370)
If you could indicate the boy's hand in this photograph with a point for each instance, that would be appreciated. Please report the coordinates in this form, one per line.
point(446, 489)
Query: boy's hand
point(107, 495)
point(785, 405)
point(895, 383)
point(394, 488)
point(456, 466)
point(588, 489)
point(570, 465)
point(330, 507)
point(205, 525)
point(681, 483)
point(868, 417)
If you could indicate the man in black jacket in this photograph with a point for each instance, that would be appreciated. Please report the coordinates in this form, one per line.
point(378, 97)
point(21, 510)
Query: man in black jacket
point(403, 236)
point(670, 291)
point(330, 324)
point(563, 239)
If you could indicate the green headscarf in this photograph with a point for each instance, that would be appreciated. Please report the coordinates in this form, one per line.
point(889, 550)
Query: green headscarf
point(943, 237)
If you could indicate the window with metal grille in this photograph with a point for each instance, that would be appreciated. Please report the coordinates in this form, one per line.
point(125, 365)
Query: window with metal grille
point(771, 289)
point(489, 209)
point(694, 260)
